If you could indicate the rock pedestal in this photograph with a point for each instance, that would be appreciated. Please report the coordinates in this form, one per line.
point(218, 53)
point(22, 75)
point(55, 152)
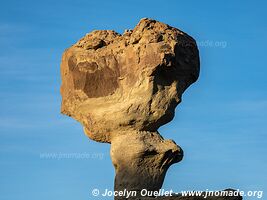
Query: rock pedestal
point(141, 160)
point(122, 88)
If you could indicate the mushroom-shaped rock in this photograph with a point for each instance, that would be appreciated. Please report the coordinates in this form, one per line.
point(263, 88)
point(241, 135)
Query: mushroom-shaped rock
point(122, 88)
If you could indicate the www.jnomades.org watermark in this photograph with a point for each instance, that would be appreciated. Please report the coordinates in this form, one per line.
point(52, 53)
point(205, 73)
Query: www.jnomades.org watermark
point(212, 43)
point(60, 155)
point(205, 43)
point(205, 194)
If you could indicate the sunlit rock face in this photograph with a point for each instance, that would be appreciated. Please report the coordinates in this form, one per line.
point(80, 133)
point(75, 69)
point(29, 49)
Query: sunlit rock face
point(112, 82)
point(122, 88)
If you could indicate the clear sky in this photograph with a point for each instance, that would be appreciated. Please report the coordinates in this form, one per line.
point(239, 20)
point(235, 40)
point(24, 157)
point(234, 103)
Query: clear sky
point(221, 123)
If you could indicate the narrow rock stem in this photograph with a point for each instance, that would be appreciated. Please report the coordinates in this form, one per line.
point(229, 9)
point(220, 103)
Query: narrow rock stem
point(141, 160)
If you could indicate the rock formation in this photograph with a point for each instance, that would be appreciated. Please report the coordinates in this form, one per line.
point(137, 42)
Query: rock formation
point(122, 88)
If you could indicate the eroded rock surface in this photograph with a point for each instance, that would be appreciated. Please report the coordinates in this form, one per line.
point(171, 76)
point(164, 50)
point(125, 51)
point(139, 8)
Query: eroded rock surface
point(141, 160)
point(122, 88)
point(112, 82)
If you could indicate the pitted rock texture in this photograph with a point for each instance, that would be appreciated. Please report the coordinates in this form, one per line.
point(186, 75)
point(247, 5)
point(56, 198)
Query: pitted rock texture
point(122, 88)
point(113, 83)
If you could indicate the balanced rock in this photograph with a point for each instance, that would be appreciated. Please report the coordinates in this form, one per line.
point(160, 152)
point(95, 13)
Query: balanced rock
point(122, 88)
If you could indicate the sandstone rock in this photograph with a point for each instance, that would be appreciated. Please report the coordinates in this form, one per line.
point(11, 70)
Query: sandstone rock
point(122, 88)
point(141, 160)
point(112, 83)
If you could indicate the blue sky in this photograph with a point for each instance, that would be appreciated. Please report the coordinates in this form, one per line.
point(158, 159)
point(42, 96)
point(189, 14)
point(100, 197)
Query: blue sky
point(221, 123)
